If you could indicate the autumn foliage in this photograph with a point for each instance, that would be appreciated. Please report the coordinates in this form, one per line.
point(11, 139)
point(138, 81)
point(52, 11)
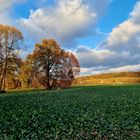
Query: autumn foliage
point(10, 40)
point(48, 66)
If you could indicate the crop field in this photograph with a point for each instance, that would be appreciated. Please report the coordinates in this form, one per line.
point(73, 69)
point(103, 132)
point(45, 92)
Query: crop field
point(79, 113)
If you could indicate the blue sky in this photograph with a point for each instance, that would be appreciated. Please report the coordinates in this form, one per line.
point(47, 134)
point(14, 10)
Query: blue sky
point(117, 12)
point(103, 34)
point(105, 24)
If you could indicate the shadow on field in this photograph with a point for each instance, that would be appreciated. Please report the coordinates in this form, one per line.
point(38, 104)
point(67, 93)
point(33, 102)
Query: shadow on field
point(78, 88)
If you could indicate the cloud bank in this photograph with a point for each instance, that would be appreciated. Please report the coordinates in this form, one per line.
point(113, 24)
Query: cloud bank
point(120, 51)
point(67, 21)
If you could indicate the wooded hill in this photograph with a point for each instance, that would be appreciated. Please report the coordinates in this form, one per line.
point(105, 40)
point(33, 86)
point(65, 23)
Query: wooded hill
point(109, 78)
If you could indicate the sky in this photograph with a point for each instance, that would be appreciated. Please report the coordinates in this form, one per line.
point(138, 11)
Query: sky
point(103, 34)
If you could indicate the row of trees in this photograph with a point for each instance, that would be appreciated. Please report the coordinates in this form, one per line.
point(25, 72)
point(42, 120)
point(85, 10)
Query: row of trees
point(48, 66)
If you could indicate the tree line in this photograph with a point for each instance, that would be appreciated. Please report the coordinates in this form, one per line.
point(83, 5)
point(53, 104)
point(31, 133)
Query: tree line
point(48, 66)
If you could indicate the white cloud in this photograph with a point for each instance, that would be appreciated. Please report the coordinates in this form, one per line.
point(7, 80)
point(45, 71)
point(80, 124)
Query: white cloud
point(135, 14)
point(92, 71)
point(5, 7)
point(4, 19)
point(92, 57)
point(104, 57)
point(66, 21)
point(126, 34)
point(120, 52)
point(123, 33)
point(4, 4)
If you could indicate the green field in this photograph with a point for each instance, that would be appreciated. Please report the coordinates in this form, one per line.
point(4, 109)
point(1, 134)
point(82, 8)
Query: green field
point(99, 112)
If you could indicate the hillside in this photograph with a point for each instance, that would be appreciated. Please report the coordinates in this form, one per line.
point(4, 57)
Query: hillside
point(109, 78)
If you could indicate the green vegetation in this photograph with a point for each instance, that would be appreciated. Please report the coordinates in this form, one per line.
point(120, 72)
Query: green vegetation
point(100, 113)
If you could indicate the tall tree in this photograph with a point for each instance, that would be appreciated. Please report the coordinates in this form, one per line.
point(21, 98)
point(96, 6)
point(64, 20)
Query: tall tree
point(10, 39)
point(51, 64)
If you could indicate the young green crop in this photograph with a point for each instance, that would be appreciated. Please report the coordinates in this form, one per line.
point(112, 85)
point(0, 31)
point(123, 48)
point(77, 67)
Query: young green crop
point(100, 113)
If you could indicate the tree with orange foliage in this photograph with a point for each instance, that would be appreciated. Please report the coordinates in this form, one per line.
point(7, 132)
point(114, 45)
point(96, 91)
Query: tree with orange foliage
point(10, 38)
point(27, 74)
point(51, 65)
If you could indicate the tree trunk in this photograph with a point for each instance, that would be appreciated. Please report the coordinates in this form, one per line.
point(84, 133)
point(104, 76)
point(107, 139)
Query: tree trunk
point(2, 81)
point(3, 76)
point(49, 87)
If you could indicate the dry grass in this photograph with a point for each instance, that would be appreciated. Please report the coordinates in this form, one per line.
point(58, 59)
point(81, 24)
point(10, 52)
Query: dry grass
point(111, 78)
